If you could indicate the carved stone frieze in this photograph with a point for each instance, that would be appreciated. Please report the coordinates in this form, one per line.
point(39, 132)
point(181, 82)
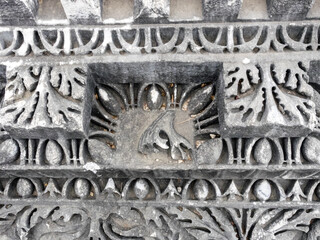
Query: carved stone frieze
point(46, 100)
point(156, 127)
point(158, 210)
point(140, 39)
point(267, 99)
point(158, 223)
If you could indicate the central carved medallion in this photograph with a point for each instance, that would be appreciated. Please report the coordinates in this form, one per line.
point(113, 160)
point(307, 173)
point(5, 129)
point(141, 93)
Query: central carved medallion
point(162, 134)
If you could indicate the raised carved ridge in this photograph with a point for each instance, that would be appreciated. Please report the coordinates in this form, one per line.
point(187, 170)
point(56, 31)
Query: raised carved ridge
point(135, 39)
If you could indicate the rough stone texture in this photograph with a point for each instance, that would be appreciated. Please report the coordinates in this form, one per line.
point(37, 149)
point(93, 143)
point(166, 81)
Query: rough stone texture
point(54, 101)
point(19, 12)
point(151, 10)
point(288, 9)
point(221, 10)
point(266, 100)
point(195, 129)
point(83, 11)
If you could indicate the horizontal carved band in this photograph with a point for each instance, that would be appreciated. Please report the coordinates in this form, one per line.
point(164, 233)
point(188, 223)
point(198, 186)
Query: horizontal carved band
point(299, 152)
point(186, 120)
point(118, 191)
point(163, 223)
point(135, 39)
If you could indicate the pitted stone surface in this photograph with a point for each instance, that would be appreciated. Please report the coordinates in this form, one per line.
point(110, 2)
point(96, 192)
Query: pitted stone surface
point(153, 127)
point(54, 101)
point(266, 100)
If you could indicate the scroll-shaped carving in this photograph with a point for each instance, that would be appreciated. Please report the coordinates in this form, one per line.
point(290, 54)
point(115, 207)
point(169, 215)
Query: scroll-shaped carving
point(46, 99)
point(222, 39)
point(161, 133)
point(163, 223)
point(267, 100)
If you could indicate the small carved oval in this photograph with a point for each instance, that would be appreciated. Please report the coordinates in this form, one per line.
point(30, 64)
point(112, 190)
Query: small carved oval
point(54, 153)
point(9, 151)
point(154, 98)
point(317, 191)
point(262, 152)
point(210, 151)
point(141, 188)
point(99, 151)
point(201, 189)
point(200, 99)
point(82, 188)
point(24, 187)
point(262, 190)
point(109, 102)
point(311, 149)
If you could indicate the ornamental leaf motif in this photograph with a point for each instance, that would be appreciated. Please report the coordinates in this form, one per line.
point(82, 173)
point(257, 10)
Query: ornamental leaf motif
point(293, 77)
point(272, 93)
point(34, 96)
point(278, 220)
point(8, 218)
point(179, 146)
point(69, 81)
point(240, 79)
point(20, 82)
point(170, 223)
point(57, 223)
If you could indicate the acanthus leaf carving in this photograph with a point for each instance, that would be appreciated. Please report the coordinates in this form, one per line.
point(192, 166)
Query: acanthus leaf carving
point(69, 81)
point(45, 97)
point(276, 96)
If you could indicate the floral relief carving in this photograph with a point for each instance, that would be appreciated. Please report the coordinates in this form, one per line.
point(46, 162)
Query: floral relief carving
point(268, 97)
point(157, 126)
point(37, 222)
point(45, 97)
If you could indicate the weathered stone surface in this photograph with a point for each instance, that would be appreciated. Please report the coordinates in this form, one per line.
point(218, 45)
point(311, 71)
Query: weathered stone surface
point(83, 11)
point(167, 72)
point(311, 149)
point(289, 9)
point(266, 100)
point(221, 10)
point(151, 10)
point(148, 41)
point(262, 190)
point(151, 139)
point(263, 151)
point(9, 151)
point(19, 12)
point(54, 101)
point(154, 127)
point(210, 151)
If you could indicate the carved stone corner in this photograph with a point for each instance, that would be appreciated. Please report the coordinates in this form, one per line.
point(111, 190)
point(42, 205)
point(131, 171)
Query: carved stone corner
point(50, 100)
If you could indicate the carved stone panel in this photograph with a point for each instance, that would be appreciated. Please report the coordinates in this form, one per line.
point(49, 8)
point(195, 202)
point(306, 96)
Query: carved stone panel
point(159, 128)
point(51, 100)
point(267, 100)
